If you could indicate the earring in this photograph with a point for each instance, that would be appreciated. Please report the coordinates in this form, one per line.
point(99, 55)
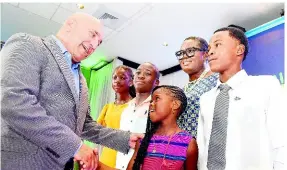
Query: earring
point(172, 111)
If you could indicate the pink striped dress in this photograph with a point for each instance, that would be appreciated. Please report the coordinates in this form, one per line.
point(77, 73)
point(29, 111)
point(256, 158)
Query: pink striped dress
point(175, 152)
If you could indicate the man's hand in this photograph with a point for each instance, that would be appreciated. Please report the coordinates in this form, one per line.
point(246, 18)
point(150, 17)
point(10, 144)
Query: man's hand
point(134, 137)
point(87, 157)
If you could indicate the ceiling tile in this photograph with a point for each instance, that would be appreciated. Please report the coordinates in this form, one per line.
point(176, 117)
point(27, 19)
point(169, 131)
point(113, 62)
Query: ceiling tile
point(70, 6)
point(88, 7)
point(107, 31)
point(16, 20)
point(126, 9)
point(15, 4)
point(148, 27)
point(139, 14)
point(45, 10)
point(61, 15)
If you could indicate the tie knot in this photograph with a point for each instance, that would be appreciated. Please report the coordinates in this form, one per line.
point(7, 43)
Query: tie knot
point(224, 87)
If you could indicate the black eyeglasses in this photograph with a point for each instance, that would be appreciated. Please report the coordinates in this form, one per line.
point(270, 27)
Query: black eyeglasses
point(189, 52)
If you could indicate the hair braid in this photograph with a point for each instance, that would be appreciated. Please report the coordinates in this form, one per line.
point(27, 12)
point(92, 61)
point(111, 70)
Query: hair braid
point(151, 127)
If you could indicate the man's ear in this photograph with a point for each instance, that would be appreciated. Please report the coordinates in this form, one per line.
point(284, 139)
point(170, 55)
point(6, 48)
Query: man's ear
point(131, 82)
point(156, 82)
point(240, 49)
point(70, 23)
point(205, 56)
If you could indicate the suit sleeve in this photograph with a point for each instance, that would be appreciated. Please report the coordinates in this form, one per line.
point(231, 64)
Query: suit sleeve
point(21, 109)
point(111, 138)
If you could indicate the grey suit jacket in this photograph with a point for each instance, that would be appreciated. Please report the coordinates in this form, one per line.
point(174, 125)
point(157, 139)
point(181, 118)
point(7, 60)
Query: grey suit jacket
point(42, 116)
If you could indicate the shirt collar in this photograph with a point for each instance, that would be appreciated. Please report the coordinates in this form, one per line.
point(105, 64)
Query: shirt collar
point(60, 44)
point(66, 53)
point(147, 100)
point(235, 80)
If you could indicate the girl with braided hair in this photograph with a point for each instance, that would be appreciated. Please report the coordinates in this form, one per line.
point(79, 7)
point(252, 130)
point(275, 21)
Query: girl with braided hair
point(165, 145)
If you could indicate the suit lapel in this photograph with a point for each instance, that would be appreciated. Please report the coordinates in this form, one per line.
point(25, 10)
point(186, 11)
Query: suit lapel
point(83, 103)
point(83, 100)
point(63, 65)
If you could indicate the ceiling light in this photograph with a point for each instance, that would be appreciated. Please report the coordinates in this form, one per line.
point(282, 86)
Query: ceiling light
point(81, 6)
point(165, 44)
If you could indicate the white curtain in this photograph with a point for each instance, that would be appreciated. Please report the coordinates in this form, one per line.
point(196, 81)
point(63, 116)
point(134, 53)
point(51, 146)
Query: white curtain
point(100, 91)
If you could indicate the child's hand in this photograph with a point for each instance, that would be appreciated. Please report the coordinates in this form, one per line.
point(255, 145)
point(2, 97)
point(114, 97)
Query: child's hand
point(134, 137)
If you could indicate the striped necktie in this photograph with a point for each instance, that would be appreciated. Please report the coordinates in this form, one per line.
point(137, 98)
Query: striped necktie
point(217, 143)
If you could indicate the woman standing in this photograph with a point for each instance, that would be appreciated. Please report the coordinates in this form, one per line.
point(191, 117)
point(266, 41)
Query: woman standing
point(192, 59)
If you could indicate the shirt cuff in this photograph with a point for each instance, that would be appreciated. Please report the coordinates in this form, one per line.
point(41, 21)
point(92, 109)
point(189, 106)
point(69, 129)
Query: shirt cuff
point(79, 148)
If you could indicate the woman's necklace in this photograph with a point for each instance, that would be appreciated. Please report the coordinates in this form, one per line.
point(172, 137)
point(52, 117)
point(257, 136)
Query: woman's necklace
point(202, 75)
point(154, 148)
point(121, 102)
point(164, 164)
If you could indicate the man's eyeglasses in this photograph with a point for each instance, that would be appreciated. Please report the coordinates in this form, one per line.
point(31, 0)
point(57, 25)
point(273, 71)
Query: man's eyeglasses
point(189, 52)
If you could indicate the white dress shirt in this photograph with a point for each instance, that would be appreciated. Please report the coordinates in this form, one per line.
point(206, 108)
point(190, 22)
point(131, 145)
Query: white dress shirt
point(133, 119)
point(256, 130)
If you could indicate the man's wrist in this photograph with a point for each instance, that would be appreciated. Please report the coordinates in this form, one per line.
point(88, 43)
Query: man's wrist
point(81, 144)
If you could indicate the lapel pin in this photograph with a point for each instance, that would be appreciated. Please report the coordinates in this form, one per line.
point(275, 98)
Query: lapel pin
point(237, 98)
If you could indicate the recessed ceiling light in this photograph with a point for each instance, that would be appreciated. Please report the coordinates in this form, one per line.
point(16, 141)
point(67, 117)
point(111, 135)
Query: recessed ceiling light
point(165, 44)
point(81, 6)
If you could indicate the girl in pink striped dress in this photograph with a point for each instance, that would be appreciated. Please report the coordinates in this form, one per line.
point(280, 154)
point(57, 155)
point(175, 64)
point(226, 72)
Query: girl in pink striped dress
point(165, 146)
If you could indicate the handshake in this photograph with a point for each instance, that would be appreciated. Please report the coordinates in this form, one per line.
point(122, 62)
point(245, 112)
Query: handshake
point(88, 158)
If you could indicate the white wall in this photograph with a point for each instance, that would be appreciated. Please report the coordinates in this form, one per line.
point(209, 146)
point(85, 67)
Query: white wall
point(178, 78)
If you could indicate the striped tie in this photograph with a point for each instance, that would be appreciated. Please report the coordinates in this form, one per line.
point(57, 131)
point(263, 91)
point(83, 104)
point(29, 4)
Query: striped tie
point(217, 142)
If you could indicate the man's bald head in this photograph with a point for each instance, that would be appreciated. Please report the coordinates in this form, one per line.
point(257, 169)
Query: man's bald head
point(83, 18)
point(81, 34)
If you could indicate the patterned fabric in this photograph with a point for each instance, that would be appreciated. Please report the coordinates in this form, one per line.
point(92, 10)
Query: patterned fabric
point(68, 57)
point(175, 152)
point(217, 142)
point(42, 115)
point(188, 120)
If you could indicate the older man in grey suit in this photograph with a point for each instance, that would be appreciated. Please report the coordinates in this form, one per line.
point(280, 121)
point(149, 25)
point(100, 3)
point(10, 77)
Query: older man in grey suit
point(45, 109)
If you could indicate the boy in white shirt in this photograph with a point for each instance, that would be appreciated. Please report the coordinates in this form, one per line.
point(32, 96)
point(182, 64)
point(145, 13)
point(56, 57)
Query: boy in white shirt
point(134, 117)
point(241, 122)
